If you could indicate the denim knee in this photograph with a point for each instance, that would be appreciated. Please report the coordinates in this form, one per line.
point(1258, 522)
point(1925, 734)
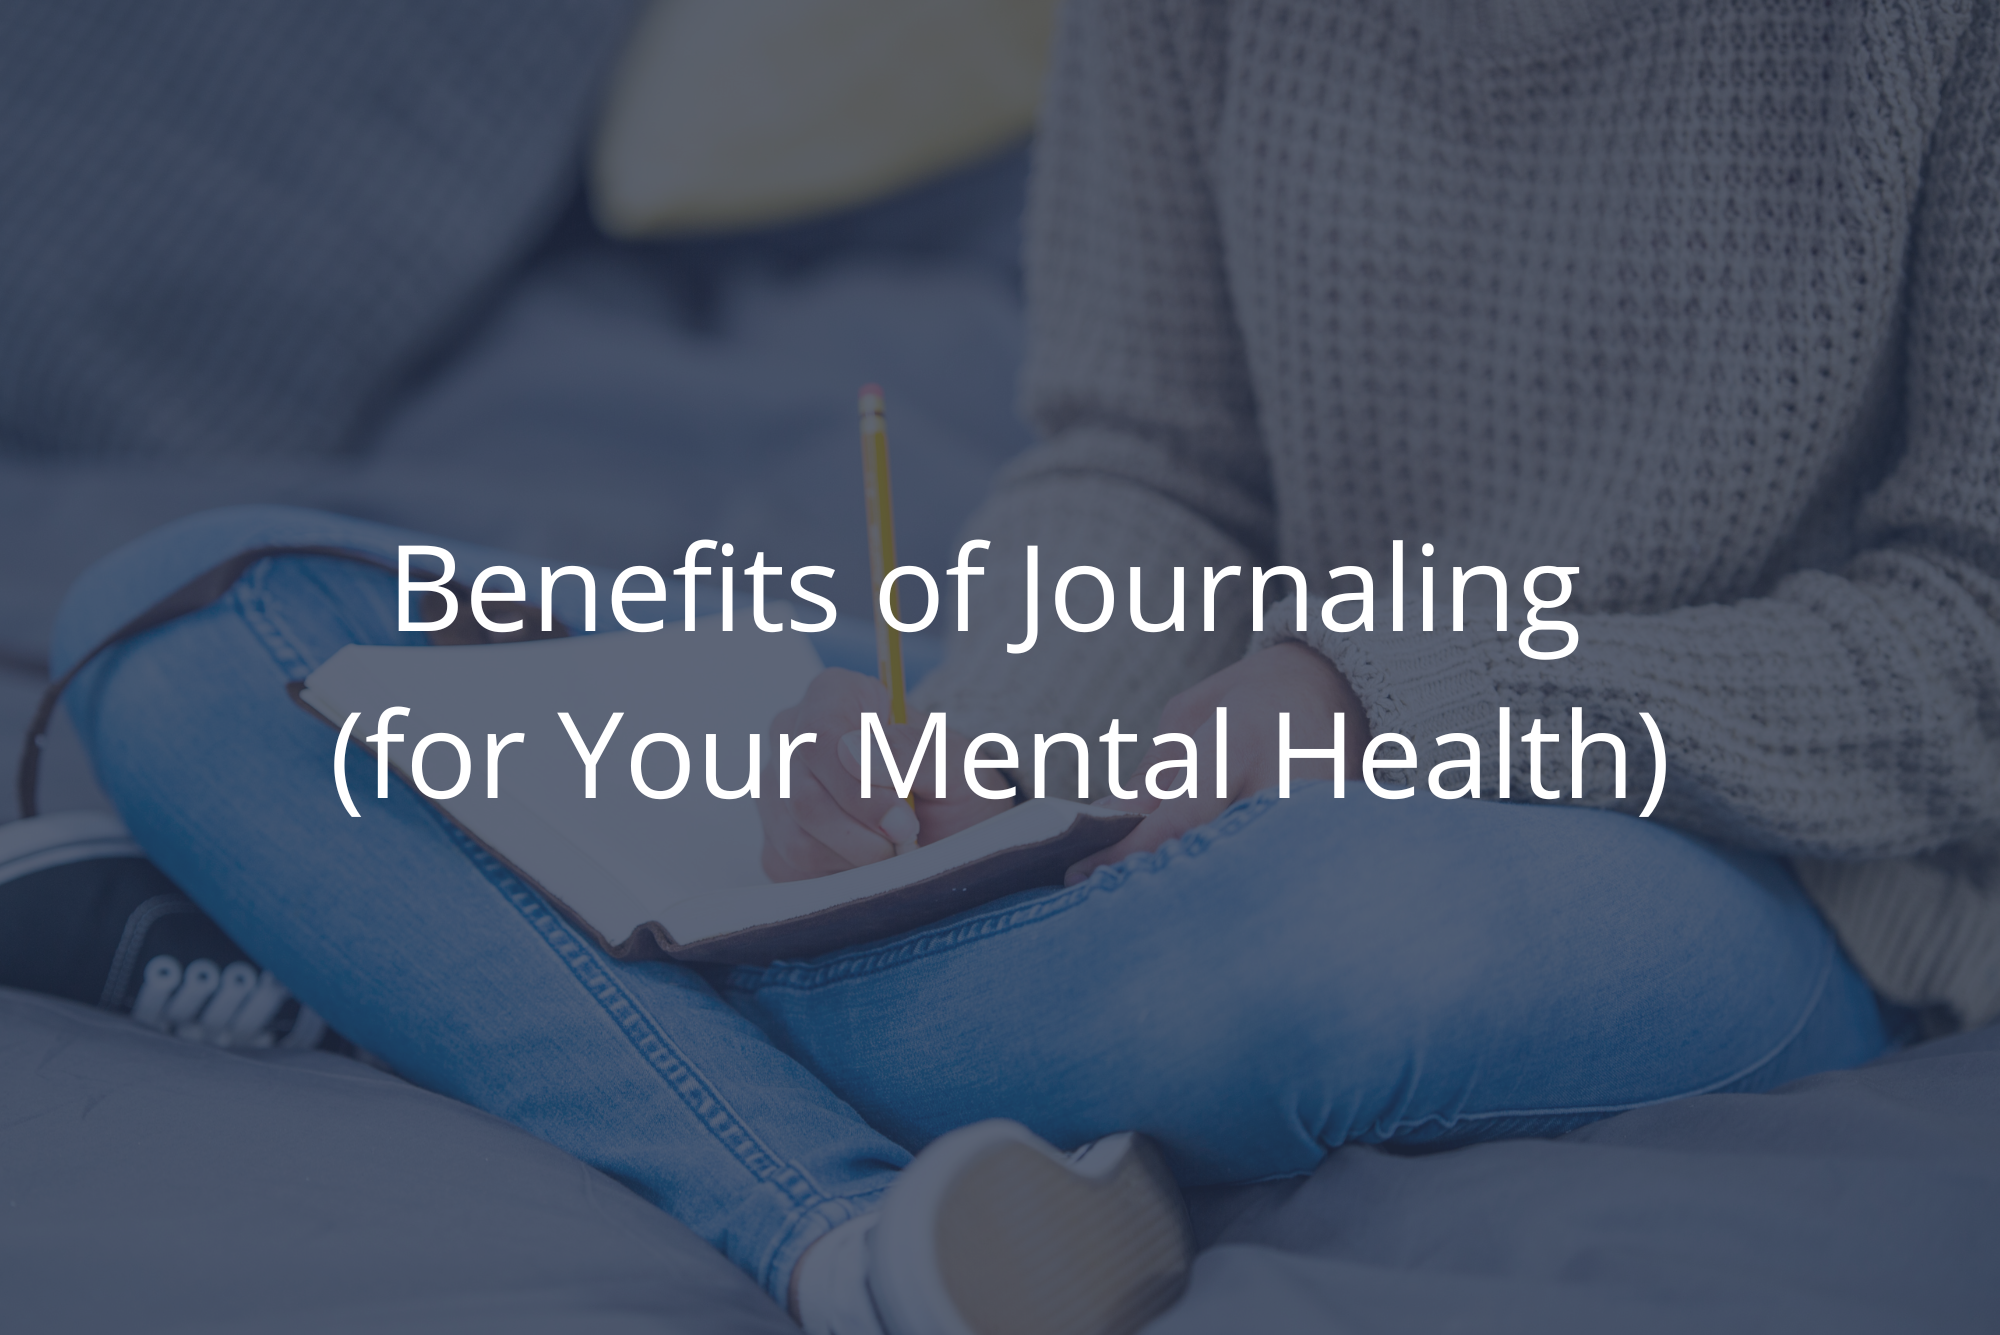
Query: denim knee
point(132, 578)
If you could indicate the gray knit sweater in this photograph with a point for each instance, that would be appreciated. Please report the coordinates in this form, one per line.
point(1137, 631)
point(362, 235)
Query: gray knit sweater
point(1703, 298)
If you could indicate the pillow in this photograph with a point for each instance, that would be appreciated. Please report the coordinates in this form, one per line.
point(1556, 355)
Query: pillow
point(740, 113)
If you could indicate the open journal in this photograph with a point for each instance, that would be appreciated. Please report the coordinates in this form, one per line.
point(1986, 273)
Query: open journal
point(679, 877)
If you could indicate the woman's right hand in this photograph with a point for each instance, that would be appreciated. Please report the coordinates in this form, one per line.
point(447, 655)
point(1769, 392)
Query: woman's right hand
point(827, 826)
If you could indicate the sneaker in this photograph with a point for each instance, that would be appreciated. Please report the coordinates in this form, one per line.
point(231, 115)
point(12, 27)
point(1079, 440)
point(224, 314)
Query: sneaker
point(992, 1231)
point(84, 915)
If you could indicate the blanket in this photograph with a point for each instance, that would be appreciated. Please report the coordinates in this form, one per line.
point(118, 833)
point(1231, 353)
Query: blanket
point(157, 1184)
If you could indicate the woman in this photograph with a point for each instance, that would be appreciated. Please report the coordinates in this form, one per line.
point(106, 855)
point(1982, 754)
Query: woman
point(1696, 300)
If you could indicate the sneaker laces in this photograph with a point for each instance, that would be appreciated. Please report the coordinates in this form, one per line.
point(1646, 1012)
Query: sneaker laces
point(239, 1006)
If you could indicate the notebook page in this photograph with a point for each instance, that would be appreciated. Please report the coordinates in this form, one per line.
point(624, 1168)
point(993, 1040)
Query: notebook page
point(621, 857)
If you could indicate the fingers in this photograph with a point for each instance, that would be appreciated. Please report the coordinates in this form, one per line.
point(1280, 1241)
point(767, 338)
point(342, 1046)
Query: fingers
point(1164, 819)
point(843, 774)
point(1169, 820)
point(827, 826)
point(1191, 708)
point(857, 838)
point(832, 709)
point(811, 835)
point(1286, 678)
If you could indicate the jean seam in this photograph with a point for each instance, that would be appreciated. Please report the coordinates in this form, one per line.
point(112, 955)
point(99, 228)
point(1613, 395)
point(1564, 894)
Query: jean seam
point(1723, 1085)
point(798, 1234)
point(640, 1029)
point(982, 924)
point(247, 599)
point(808, 1201)
point(264, 615)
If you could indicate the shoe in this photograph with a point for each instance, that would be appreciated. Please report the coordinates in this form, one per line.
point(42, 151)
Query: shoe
point(84, 915)
point(992, 1231)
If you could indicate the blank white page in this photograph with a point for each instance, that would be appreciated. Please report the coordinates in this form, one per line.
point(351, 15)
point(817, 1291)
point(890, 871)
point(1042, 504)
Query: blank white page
point(621, 858)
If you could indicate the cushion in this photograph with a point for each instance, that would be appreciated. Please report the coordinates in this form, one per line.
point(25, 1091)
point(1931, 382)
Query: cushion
point(735, 113)
point(233, 230)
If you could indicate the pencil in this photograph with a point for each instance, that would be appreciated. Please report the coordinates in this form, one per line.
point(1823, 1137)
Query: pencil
point(882, 552)
point(882, 546)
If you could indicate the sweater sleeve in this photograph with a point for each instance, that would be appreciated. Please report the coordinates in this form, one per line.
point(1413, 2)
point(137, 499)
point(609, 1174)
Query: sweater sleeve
point(1848, 713)
point(1135, 383)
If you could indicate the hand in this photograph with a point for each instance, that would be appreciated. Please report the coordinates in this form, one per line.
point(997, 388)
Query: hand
point(827, 826)
point(1288, 678)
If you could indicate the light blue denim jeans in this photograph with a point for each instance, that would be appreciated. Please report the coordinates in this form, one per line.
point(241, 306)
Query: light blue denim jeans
point(1292, 977)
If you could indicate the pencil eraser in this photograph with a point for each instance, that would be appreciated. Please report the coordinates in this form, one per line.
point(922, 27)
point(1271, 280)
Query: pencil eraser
point(871, 396)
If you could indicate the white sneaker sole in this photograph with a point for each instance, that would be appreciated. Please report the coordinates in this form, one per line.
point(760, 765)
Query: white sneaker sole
point(991, 1231)
point(40, 842)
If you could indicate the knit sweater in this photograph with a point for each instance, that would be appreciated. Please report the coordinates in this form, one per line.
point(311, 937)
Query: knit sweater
point(1702, 298)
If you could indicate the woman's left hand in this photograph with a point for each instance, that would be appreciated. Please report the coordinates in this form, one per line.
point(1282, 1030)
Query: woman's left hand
point(1286, 678)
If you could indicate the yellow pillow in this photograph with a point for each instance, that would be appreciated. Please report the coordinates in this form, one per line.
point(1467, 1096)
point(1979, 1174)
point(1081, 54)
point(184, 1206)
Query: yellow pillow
point(736, 113)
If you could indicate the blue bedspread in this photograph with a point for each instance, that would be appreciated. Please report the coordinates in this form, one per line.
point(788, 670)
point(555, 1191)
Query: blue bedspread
point(1859, 1201)
point(156, 1184)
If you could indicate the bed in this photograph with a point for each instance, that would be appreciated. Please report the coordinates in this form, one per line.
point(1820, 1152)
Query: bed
point(160, 1185)
point(596, 406)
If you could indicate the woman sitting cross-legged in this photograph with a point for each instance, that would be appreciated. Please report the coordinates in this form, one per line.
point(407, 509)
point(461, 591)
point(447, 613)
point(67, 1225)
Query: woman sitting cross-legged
point(1306, 279)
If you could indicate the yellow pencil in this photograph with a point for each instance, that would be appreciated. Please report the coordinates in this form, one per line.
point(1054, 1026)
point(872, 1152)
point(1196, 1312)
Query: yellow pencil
point(882, 551)
point(882, 546)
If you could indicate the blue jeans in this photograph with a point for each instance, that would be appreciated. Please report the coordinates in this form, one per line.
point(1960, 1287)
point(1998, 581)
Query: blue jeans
point(1292, 977)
